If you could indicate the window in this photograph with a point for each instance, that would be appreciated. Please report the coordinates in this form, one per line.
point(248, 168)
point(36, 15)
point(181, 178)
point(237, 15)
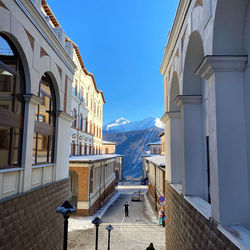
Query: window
point(80, 148)
point(87, 99)
point(74, 114)
point(81, 93)
point(76, 87)
point(81, 122)
point(73, 148)
point(45, 119)
point(12, 88)
point(86, 126)
point(106, 150)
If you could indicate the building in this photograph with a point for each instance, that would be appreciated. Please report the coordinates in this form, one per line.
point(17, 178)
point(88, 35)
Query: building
point(87, 110)
point(163, 147)
point(156, 179)
point(93, 175)
point(36, 72)
point(155, 147)
point(93, 181)
point(108, 147)
point(207, 125)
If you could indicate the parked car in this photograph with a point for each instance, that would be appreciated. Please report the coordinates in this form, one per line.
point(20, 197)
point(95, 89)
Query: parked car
point(136, 196)
point(144, 181)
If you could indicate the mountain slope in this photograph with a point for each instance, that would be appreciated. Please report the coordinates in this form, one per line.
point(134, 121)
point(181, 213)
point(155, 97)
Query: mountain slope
point(123, 125)
point(132, 145)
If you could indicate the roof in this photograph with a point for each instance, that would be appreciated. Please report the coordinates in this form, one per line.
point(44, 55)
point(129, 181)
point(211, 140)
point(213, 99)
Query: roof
point(92, 158)
point(154, 143)
point(49, 12)
point(157, 160)
point(109, 143)
point(161, 134)
point(67, 39)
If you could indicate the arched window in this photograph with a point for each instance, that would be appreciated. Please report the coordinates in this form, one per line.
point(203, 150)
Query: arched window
point(106, 150)
point(81, 122)
point(12, 88)
point(44, 131)
point(74, 114)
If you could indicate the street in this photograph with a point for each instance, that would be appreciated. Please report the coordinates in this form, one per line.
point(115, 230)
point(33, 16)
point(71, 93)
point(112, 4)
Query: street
point(130, 233)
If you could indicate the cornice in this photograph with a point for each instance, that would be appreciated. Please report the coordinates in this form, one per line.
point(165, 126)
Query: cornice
point(181, 13)
point(33, 99)
point(64, 115)
point(211, 64)
point(188, 99)
point(170, 115)
point(35, 17)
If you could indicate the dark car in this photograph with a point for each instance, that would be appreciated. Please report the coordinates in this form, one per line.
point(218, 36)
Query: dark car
point(144, 181)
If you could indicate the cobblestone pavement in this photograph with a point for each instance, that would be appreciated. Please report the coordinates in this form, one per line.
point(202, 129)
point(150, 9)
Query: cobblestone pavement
point(130, 233)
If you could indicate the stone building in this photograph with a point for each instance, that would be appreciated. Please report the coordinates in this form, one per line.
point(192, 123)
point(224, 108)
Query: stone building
point(36, 72)
point(155, 147)
point(108, 147)
point(207, 125)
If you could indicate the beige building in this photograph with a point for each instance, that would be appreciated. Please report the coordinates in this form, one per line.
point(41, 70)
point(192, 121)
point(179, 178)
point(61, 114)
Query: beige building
point(87, 110)
point(156, 179)
point(93, 181)
point(36, 72)
point(108, 147)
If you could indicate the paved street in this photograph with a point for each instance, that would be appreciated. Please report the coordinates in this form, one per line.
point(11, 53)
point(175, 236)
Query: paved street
point(130, 233)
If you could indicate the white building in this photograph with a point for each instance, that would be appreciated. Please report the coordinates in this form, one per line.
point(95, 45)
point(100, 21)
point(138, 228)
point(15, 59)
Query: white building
point(207, 115)
point(36, 72)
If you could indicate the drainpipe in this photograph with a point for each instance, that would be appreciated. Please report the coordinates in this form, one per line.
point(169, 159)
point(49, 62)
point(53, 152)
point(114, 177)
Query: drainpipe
point(89, 185)
point(155, 190)
point(100, 185)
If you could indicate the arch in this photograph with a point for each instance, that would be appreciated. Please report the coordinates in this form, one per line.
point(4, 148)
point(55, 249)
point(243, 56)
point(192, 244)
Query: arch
point(194, 56)
point(174, 92)
point(23, 57)
point(55, 88)
point(229, 26)
point(74, 187)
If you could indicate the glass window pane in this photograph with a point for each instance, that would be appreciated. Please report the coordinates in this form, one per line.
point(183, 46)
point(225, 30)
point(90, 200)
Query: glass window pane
point(4, 146)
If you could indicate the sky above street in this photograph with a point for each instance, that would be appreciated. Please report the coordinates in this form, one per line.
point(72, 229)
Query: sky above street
point(122, 44)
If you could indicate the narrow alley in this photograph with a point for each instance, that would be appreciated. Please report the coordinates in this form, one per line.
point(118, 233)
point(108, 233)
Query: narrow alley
point(132, 233)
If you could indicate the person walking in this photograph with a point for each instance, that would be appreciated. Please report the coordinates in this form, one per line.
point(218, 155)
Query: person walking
point(163, 219)
point(160, 217)
point(126, 208)
point(150, 247)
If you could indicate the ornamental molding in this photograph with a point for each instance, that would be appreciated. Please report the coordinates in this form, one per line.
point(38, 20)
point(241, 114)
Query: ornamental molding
point(212, 64)
point(182, 100)
point(65, 116)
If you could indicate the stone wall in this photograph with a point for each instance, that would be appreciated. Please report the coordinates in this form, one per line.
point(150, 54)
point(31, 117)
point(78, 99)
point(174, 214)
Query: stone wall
point(186, 228)
point(30, 221)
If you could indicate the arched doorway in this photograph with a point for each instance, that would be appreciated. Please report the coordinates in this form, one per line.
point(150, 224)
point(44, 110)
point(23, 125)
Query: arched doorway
point(74, 187)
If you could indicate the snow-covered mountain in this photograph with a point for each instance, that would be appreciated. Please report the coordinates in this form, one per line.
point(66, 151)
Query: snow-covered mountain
point(124, 125)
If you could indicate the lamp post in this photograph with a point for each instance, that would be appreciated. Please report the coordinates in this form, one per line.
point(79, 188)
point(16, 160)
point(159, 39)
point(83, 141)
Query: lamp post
point(109, 228)
point(97, 223)
point(66, 209)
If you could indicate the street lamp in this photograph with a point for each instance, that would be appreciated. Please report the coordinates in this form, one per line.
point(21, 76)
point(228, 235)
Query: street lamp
point(97, 223)
point(109, 228)
point(66, 209)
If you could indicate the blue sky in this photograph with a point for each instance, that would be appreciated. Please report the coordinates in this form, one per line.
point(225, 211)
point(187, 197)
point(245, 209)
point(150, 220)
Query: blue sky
point(121, 43)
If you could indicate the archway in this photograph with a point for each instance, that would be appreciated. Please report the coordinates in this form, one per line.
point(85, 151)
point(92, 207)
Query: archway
point(191, 121)
point(74, 187)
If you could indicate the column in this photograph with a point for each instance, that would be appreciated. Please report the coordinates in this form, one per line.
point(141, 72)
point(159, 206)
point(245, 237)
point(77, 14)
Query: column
point(31, 102)
point(191, 140)
point(173, 147)
point(227, 131)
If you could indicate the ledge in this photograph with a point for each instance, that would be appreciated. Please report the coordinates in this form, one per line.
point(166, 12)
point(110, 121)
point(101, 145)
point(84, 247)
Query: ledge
point(43, 165)
point(10, 170)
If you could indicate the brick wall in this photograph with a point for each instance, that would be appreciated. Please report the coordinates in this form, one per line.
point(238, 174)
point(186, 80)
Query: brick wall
point(186, 228)
point(30, 221)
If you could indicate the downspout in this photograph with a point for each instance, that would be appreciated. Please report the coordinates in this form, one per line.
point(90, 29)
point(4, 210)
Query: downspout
point(155, 190)
point(89, 186)
point(100, 186)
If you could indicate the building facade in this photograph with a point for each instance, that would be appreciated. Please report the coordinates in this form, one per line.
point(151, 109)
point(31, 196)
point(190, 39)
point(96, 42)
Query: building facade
point(87, 110)
point(36, 72)
point(108, 147)
point(207, 125)
point(93, 181)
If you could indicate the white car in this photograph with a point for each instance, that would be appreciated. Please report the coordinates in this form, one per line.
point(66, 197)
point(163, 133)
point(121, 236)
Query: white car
point(136, 196)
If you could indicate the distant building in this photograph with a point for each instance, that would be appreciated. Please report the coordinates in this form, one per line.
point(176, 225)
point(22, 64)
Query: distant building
point(155, 147)
point(108, 147)
point(156, 179)
point(163, 147)
point(36, 72)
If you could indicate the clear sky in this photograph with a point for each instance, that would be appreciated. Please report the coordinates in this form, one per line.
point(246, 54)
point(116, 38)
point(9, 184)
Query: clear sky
point(121, 43)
